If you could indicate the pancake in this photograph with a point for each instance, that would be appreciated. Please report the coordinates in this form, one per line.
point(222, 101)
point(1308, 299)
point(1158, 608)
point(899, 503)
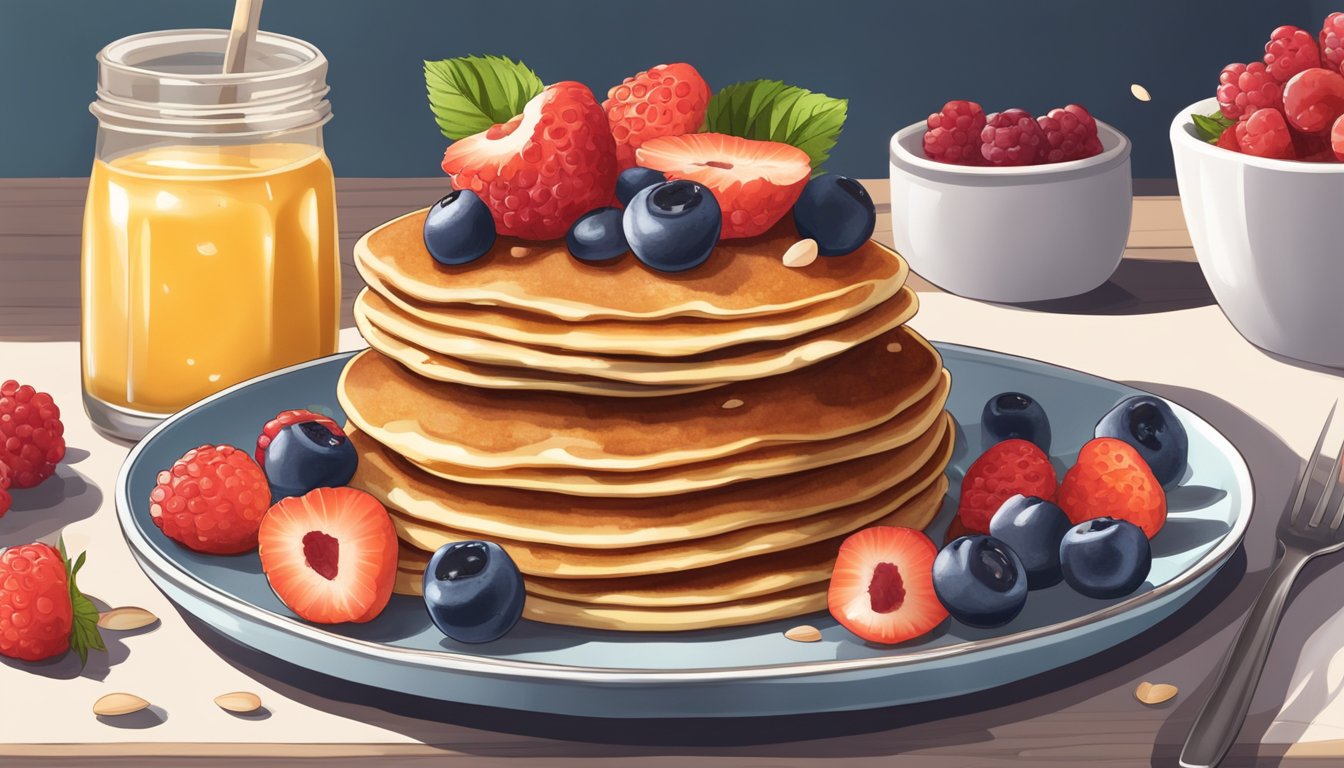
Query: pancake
point(768, 461)
point(669, 337)
point(436, 422)
point(437, 367)
point(539, 559)
point(601, 523)
point(743, 278)
point(737, 363)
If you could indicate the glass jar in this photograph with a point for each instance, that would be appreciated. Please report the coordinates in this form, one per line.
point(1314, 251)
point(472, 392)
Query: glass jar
point(210, 248)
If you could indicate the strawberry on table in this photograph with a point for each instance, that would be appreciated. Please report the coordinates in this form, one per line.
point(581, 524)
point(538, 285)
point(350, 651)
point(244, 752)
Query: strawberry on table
point(1006, 469)
point(42, 612)
point(882, 585)
point(666, 100)
point(1110, 479)
point(32, 438)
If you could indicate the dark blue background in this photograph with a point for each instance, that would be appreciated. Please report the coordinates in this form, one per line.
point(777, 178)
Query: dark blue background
point(895, 60)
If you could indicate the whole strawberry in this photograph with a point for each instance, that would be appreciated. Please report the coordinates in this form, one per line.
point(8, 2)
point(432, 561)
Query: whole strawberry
point(42, 613)
point(666, 100)
point(1012, 137)
point(543, 169)
point(1110, 479)
point(211, 500)
point(32, 438)
point(1006, 469)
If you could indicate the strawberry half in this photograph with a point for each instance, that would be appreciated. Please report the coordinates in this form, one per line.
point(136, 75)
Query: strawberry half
point(755, 182)
point(1111, 479)
point(666, 100)
point(882, 585)
point(544, 168)
point(1006, 469)
point(330, 555)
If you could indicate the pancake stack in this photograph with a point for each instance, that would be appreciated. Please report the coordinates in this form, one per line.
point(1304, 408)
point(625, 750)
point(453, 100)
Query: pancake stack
point(656, 452)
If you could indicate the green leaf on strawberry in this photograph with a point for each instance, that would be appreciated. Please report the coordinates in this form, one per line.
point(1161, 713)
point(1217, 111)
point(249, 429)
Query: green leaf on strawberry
point(768, 110)
point(1211, 127)
point(469, 94)
point(84, 635)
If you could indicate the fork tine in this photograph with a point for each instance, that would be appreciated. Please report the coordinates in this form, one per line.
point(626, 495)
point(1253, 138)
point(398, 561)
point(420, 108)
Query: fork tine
point(1312, 462)
point(1329, 490)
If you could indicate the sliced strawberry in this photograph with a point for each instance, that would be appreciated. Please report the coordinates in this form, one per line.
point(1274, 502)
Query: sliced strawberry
point(882, 585)
point(544, 168)
point(1110, 479)
point(755, 182)
point(330, 555)
point(666, 100)
point(1006, 469)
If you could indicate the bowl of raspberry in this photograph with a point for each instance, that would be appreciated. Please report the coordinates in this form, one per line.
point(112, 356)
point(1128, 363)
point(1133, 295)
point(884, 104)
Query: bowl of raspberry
point(1008, 207)
point(1261, 182)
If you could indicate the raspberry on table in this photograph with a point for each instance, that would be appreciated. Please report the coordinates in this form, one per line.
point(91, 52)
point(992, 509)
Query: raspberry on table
point(1244, 88)
point(211, 500)
point(1265, 134)
point(1332, 42)
point(1070, 134)
point(1012, 137)
point(32, 438)
point(1289, 51)
point(953, 134)
point(35, 609)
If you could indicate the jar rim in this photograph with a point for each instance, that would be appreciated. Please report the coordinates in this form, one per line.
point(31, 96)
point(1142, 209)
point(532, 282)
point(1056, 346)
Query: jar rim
point(114, 56)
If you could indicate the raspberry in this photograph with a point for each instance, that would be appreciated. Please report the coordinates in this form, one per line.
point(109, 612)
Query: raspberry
point(543, 169)
point(31, 434)
point(1313, 99)
point(1070, 134)
point(1012, 137)
point(1265, 134)
point(1337, 138)
point(1110, 479)
point(1332, 42)
point(1244, 88)
point(666, 100)
point(1228, 140)
point(1007, 468)
point(5, 480)
point(284, 419)
point(1289, 51)
point(211, 500)
point(1312, 147)
point(953, 134)
point(42, 613)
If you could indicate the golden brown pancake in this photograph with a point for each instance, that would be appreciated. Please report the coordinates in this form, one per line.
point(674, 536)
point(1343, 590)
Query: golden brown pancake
point(743, 278)
point(602, 523)
point(768, 461)
point(440, 422)
point(736, 363)
point(538, 559)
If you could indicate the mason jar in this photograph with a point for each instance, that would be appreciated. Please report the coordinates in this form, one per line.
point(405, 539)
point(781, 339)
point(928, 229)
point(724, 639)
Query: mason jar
point(210, 251)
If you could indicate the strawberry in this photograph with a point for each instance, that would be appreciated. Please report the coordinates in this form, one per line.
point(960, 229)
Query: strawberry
point(882, 585)
point(1006, 469)
point(284, 419)
point(211, 500)
point(42, 612)
point(1110, 479)
point(544, 168)
point(32, 438)
point(755, 182)
point(330, 555)
point(666, 100)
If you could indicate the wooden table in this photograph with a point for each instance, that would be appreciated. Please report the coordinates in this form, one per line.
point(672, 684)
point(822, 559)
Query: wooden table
point(1154, 324)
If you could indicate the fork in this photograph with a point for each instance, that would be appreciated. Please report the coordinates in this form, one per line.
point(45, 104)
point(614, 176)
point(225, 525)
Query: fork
point(1304, 532)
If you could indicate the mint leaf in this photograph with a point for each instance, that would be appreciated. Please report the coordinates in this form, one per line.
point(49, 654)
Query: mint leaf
point(768, 110)
point(84, 634)
point(471, 93)
point(1211, 127)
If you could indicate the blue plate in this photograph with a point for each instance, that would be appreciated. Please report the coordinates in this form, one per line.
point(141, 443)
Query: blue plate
point(743, 671)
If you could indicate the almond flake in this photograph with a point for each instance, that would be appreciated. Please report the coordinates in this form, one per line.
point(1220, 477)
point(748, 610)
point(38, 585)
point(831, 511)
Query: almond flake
point(125, 618)
point(801, 253)
point(894, 346)
point(114, 704)
point(1140, 92)
point(804, 633)
point(520, 252)
point(732, 403)
point(241, 702)
point(1151, 694)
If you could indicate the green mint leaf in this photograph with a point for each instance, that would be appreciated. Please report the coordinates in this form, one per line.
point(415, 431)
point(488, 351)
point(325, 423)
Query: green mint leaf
point(84, 635)
point(1211, 127)
point(471, 93)
point(768, 110)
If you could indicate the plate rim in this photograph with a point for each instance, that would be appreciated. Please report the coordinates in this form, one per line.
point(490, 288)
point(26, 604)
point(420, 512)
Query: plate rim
point(456, 661)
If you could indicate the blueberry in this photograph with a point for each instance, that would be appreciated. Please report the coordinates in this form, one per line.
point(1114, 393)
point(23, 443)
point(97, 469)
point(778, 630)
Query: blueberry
point(308, 455)
point(673, 226)
point(837, 212)
point(1105, 557)
point(459, 228)
point(1012, 414)
point(1148, 424)
point(633, 179)
point(1032, 528)
point(473, 591)
point(980, 581)
point(596, 236)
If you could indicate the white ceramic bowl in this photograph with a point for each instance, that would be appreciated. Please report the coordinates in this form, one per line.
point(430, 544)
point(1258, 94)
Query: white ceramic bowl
point(1269, 236)
point(1011, 234)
